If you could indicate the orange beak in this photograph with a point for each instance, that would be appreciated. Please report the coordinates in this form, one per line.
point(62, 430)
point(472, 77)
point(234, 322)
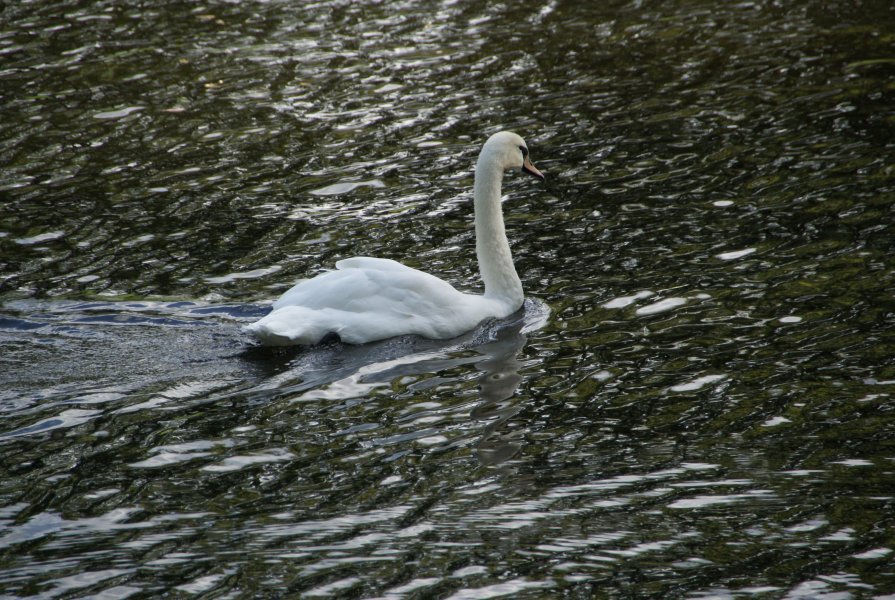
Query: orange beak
point(529, 168)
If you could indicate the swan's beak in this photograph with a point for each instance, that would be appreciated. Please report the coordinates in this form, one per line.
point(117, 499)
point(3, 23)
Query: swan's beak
point(529, 168)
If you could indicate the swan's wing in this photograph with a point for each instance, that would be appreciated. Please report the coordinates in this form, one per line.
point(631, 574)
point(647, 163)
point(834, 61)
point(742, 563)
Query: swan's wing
point(316, 287)
point(367, 262)
point(363, 284)
point(363, 304)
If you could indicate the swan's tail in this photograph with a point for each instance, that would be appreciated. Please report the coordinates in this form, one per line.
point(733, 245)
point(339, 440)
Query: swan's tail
point(289, 326)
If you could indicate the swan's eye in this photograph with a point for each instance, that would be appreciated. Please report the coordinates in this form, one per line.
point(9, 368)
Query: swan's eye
point(524, 151)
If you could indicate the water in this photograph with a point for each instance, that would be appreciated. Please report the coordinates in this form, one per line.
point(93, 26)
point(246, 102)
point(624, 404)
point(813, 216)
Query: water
point(695, 402)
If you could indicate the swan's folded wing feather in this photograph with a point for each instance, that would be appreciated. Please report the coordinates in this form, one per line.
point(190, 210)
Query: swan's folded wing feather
point(369, 262)
point(368, 282)
point(364, 304)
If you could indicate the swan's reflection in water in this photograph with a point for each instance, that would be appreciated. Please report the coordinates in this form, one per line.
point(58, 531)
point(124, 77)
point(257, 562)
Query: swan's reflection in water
point(342, 376)
point(499, 382)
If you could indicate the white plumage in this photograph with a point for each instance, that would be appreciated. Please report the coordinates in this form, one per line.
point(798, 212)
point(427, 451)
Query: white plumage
point(367, 299)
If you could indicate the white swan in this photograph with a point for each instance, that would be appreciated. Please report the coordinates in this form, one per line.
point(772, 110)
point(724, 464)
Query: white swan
point(367, 299)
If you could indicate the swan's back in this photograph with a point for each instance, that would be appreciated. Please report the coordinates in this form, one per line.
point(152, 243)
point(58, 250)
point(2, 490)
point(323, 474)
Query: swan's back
point(364, 272)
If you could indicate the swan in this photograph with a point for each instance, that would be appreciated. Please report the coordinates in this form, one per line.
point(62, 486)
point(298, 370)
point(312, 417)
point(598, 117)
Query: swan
point(367, 299)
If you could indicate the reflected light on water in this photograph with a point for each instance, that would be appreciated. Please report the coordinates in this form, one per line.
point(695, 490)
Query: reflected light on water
point(696, 400)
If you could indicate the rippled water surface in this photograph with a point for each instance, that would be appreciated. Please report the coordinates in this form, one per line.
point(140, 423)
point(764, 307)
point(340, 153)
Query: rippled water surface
point(695, 402)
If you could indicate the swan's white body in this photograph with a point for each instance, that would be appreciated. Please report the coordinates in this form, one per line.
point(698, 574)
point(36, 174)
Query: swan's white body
point(367, 299)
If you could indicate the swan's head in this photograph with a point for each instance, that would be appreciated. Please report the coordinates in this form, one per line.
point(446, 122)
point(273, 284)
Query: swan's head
point(509, 151)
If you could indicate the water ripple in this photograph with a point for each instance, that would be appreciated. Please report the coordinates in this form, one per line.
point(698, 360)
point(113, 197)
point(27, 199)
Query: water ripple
point(696, 399)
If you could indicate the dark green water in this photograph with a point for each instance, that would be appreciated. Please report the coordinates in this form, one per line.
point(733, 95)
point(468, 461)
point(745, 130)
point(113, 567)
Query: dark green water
point(696, 402)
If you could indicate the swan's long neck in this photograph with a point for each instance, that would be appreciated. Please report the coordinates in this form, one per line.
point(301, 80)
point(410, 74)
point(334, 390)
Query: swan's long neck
point(491, 245)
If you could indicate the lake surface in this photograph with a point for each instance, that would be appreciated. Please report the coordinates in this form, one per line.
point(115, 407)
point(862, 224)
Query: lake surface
point(696, 401)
